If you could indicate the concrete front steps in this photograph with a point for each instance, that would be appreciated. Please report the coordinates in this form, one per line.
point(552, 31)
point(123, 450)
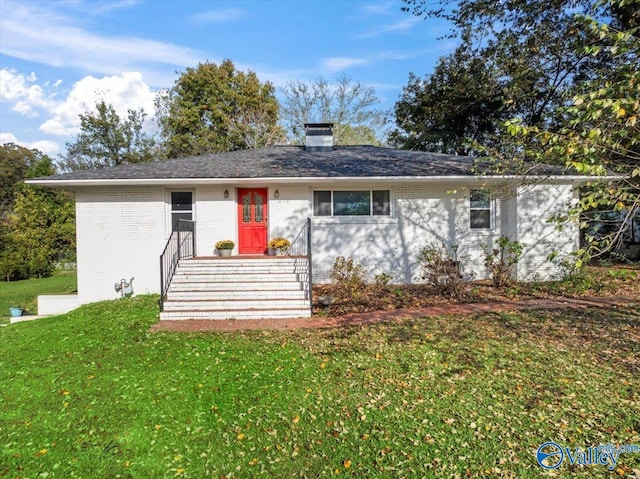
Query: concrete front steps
point(238, 288)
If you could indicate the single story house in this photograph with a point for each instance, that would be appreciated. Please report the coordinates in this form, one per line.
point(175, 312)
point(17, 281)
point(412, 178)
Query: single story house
point(378, 205)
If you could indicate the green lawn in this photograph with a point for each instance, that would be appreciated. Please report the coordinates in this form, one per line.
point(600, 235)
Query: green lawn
point(24, 294)
point(93, 394)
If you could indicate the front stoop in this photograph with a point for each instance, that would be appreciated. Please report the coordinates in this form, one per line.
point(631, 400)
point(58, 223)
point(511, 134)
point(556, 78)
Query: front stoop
point(239, 288)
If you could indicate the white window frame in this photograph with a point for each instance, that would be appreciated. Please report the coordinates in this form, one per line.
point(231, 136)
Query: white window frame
point(368, 217)
point(491, 208)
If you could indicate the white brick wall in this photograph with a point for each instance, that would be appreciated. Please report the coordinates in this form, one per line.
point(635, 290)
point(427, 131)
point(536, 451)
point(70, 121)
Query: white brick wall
point(120, 234)
point(422, 215)
point(289, 211)
point(535, 205)
point(121, 231)
point(216, 218)
point(439, 214)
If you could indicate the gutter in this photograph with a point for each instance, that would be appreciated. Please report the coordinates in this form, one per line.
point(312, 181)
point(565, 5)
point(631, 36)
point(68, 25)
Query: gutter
point(561, 179)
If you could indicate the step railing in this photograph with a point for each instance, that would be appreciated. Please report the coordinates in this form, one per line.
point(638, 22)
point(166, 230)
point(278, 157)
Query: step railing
point(181, 244)
point(301, 247)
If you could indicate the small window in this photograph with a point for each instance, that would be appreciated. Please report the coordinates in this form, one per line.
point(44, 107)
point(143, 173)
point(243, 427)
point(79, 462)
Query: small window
point(322, 203)
point(352, 203)
point(181, 207)
point(381, 203)
point(480, 209)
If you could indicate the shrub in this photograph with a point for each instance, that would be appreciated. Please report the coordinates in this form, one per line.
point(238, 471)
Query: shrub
point(501, 259)
point(441, 270)
point(349, 276)
point(573, 275)
point(225, 244)
point(382, 279)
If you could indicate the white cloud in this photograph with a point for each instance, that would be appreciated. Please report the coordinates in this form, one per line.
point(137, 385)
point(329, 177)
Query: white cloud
point(226, 15)
point(401, 26)
point(336, 64)
point(45, 146)
point(36, 32)
point(21, 90)
point(124, 92)
point(8, 138)
point(99, 8)
point(379, 8)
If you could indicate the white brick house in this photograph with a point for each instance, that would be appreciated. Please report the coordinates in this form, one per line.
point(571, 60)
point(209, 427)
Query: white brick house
point(378, 205)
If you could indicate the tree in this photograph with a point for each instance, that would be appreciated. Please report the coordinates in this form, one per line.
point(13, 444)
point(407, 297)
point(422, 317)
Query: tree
point(570, 85)
point(15, 162)
point(601, 132)
point(107, 140)
point(39, 230)
point(213, 108)
point(460, 102)
point(358, 135)
point(529, 53)
point(253, 128)
point(347, 104)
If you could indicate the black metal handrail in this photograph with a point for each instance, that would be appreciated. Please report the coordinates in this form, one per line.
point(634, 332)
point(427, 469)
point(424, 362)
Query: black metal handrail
point(181, 244)
point(301, 246)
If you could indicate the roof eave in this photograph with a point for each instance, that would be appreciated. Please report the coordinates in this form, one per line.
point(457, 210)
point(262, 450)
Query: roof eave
point(57, 183)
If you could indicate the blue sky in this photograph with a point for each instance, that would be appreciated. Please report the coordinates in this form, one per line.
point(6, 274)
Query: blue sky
point(57, 58)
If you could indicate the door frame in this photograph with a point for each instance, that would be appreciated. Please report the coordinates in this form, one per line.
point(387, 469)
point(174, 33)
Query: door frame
point(169, 206)
point(242, 248)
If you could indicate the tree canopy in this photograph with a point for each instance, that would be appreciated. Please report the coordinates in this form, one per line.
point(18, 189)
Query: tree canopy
point(349, 105)
point(106, 140)
point(600, 135)
point(460, 102)
point(214, 108)
point(564, 76)
point(15, 162)
point(39, 229)
point(520, 59)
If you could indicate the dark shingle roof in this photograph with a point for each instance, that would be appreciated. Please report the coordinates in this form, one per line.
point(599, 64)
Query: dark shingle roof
point(295, 162)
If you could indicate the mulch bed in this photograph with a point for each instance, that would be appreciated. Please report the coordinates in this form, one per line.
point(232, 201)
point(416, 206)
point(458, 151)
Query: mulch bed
point(600, 281)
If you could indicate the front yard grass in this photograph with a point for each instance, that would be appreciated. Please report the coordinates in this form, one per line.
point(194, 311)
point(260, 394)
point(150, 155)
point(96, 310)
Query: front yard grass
point(24, 293)
point(94, 394)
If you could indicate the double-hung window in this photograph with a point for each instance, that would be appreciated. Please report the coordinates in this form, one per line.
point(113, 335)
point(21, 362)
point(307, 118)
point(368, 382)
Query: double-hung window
point(352, 203)
point(479, 209)
point(181, 207)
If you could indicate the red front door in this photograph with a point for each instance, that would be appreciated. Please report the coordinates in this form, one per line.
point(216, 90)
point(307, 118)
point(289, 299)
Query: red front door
point(252, 220)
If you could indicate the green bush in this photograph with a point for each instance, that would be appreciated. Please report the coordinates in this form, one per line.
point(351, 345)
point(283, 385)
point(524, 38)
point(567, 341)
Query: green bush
point(501, 259)
point(441, 270)
point(349, 276)
point(382, 279)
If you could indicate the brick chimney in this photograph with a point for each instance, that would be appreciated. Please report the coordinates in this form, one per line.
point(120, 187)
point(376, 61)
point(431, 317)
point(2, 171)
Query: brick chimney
point(319, 136)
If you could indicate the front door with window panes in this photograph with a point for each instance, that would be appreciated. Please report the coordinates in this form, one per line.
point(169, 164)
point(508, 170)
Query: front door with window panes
point(252, 220)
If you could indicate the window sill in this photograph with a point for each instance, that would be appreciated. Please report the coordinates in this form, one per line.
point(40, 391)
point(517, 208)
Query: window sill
point(347, 220)
point(483, 231)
